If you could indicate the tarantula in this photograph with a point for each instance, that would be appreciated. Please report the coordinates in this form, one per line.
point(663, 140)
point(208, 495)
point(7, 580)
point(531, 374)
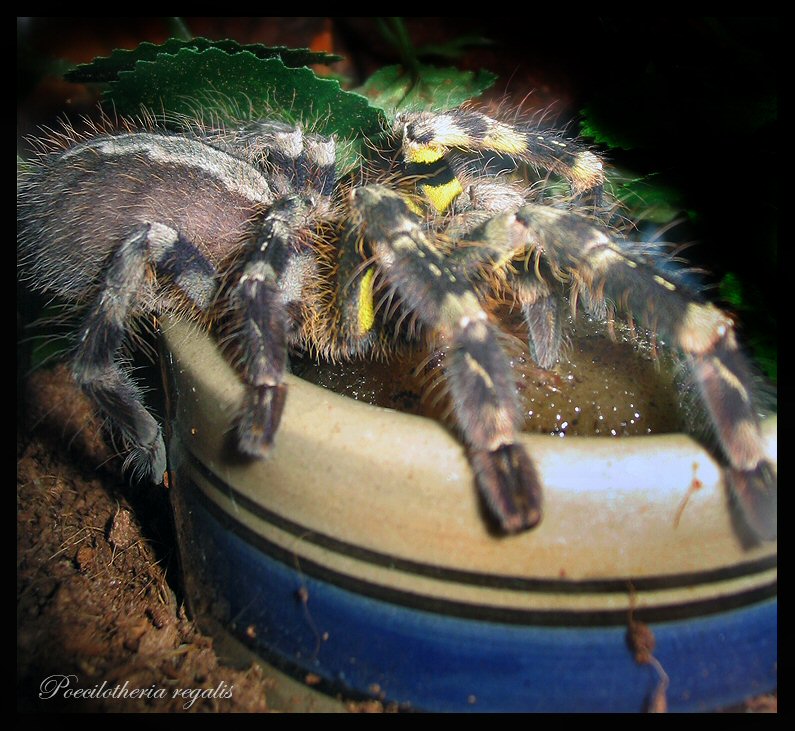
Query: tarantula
point(248, 226)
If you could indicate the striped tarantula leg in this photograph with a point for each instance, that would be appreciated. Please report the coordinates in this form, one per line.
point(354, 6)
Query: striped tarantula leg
point(477, 370)
point(349, 301)
point(180, 261)
point(319, 163)
point(428, 136)
point(266, 301)
point(307, 161)
point(438, 182)
point(294, 161)
point(723, 378)
point(543, 317)
point(608, 268)
point(95, 367)
point(101, 377)
point(275, 146)
point(486, 252)
point(484, 398)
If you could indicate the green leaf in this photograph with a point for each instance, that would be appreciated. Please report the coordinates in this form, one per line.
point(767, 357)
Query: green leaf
point(435, 89)
point(108, 68)
point(243, 86)
point(454, 48)
point(594, 127)
point(731, 290)
point(644, 197)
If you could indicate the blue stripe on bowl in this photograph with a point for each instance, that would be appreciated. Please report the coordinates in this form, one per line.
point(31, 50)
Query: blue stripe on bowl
point(438, 662)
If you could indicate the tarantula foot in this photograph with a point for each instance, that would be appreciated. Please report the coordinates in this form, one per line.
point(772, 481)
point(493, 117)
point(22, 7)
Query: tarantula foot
point(509, 485)
point(148, 462)
point(756, 491)
point(260, 420)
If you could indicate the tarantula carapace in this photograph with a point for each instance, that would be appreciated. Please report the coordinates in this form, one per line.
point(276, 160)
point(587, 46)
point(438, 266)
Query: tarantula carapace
point(248, 227)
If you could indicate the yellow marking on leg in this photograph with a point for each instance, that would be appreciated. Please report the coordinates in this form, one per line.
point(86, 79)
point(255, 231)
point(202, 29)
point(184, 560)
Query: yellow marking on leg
point(665, 283)
point(366, 313)
point(600, 257)
point(425, 154)
point(588, 168)
point(414, 206)
point(504, 139)
point(442, 196)
point(480, 370)
point(621, 255)
point(702, 326)
point(456, 306)
point(730, 379)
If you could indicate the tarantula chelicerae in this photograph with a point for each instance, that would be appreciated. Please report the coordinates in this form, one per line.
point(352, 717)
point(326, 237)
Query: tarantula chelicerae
point(250, 225)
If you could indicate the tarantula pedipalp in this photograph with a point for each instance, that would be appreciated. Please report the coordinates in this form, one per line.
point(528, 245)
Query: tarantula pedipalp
point(249, 225)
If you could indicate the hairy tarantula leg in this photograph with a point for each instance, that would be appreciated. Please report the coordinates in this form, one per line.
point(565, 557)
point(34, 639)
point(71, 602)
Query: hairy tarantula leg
point(319, 162)
point(428, 136)
point(346, 325)
point(484, 398)
point(705, 334)
point(543, 317)
point(478, 373)
point(178, 259)
point(306, 161)
point(94, 367)
point(294, 161)
point(273, 146)
point(264, 299)
point(438, 182)
point(722, 374)
point(486, 253)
